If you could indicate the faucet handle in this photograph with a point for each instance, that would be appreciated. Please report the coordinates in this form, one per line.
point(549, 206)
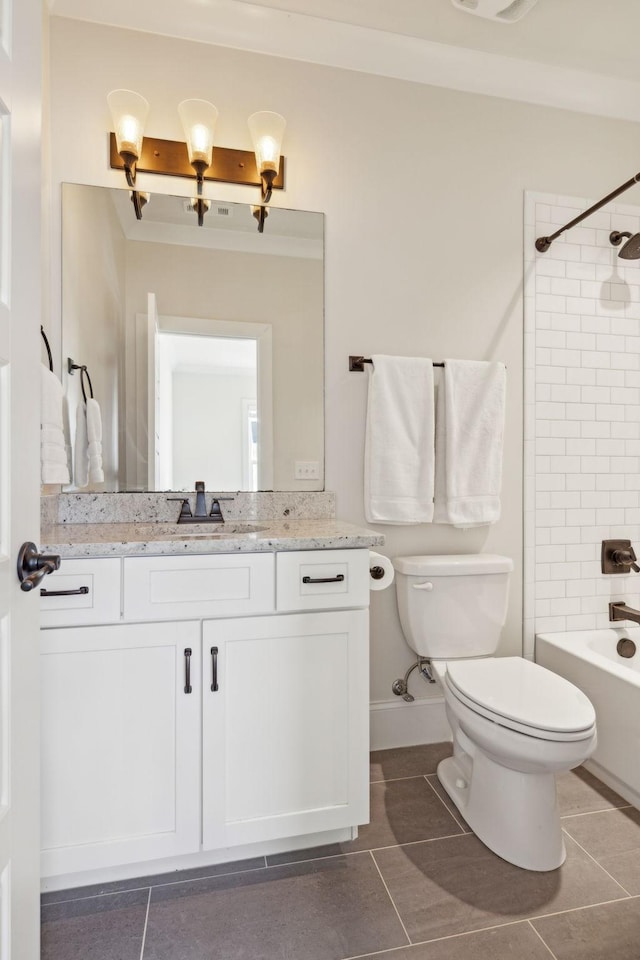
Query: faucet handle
point(185, 509)
point(216, 512)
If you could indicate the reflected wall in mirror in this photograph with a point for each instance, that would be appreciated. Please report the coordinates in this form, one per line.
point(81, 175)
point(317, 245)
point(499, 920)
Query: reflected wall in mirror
point(204, 344)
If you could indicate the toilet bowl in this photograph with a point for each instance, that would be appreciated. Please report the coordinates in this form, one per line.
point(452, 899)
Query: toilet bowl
point(514, 724)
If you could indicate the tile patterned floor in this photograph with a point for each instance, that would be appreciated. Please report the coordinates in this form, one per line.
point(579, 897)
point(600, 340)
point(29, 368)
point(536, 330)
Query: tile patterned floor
point(415, 885)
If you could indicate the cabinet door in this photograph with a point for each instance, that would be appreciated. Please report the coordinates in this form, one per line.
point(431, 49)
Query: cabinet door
point(286, 734)
point(120, 744)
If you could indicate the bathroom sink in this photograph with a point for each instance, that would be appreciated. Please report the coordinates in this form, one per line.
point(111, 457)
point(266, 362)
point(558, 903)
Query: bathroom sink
point(201, 531)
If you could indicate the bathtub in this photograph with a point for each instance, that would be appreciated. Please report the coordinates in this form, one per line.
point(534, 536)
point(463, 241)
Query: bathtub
point(589, 659)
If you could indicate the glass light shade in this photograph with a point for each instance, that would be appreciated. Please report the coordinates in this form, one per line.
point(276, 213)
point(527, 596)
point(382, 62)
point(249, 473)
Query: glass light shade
point(198, 119)
point(129, 112)
point(267, 132)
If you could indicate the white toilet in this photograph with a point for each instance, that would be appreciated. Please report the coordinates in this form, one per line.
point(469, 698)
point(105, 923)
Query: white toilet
point(515, 724)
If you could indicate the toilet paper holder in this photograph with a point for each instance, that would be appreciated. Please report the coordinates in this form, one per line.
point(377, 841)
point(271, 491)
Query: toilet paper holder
point(376, 572)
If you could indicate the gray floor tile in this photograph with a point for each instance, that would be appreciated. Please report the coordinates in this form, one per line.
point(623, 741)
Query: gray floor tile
point(408, 761)
point(322, 910)
point(609, 932)
point(116, 886)
point(402, 811)
point(448, 802)
point(308, 853)
point(613, 839)
point(100, 928)
point(450, 886)
point(502, 943)
point(580, 792)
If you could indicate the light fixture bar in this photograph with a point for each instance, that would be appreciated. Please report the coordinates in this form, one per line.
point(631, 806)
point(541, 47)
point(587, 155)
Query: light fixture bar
point(170, 158)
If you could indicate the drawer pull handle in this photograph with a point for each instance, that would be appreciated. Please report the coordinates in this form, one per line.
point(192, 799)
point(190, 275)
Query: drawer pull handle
point(214, 669)
point(64, 593)
point(187, 670)
point(337, 579)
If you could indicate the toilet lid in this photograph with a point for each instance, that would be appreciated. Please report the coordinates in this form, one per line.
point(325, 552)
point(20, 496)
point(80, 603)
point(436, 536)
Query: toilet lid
point(520, 694)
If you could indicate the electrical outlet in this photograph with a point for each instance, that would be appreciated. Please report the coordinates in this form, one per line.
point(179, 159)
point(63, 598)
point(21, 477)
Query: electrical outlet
point(307, 470)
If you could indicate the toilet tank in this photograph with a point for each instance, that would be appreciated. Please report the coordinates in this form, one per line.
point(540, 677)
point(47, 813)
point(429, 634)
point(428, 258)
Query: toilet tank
point(453, 607)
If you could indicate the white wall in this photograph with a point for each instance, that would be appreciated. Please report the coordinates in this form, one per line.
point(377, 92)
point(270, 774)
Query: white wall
point(582, 462)
point(423, 193)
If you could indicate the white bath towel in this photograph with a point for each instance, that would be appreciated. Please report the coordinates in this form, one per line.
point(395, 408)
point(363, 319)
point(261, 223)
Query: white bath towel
point(469, 439)
point(94, 437)
point(81, 448)
point(399, 445)
point(54, 463)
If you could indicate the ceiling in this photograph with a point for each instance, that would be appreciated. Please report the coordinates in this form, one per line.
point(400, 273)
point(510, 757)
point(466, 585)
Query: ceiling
point(598, 36)
point(578, 55)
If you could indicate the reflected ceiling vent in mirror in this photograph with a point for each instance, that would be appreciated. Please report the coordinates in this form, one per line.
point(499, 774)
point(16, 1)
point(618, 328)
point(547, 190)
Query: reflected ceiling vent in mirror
point(197, 156)
point(501, 11)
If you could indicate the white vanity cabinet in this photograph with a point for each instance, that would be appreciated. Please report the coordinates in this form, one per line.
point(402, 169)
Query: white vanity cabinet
point(120, 744)
point(285, 743)
point(138, 767)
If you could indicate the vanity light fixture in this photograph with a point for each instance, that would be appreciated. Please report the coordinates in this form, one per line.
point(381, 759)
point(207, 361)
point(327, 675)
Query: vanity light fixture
point(129, 111)
point(199, 122)
point(267, 130)
point(264, 167)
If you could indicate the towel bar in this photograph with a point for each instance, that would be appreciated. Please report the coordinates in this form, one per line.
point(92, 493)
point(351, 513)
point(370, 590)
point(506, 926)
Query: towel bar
point(356, 364)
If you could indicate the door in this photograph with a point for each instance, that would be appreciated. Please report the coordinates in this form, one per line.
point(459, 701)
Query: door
point(154, 453)
point(286, 732)
point(20, 309)
point(120, 744)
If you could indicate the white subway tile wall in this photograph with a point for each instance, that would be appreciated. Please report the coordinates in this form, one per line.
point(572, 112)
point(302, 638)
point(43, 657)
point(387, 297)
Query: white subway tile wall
point(582, 414)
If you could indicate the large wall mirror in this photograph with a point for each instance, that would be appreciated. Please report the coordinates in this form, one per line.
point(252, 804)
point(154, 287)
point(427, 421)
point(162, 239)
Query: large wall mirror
point(204, 344)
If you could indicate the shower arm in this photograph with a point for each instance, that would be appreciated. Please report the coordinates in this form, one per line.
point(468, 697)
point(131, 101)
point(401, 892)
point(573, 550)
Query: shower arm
point(543, 243)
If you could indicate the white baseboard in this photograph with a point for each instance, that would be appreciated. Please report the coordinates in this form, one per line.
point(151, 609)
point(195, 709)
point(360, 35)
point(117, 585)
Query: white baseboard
point(399, 724)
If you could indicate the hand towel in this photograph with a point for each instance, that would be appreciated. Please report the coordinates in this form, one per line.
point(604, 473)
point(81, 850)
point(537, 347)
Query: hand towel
point(81, 448)
point(399, 445)
point(469, 440)
point(54, 465)
point(94, 437)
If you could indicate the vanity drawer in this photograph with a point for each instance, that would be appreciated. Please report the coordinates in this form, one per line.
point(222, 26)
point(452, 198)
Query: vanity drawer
point(320, 579)
point(223, 585)
point(99, 601)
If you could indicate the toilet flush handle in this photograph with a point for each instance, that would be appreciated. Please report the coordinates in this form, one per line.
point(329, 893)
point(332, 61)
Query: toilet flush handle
point(427, 585)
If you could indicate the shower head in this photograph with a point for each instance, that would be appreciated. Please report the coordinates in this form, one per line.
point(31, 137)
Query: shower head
point(631, 249)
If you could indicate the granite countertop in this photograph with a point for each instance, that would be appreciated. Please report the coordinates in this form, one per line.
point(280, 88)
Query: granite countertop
point(170, 539)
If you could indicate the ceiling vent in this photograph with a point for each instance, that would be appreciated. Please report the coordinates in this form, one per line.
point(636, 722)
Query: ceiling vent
point(214, 210)
point(499, 10)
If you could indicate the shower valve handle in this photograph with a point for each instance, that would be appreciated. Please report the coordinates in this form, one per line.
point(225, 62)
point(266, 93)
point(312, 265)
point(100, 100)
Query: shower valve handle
point(626, 557)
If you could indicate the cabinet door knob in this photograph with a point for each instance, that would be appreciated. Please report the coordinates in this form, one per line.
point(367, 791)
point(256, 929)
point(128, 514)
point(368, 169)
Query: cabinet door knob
point(187, 670)
point(214, 669)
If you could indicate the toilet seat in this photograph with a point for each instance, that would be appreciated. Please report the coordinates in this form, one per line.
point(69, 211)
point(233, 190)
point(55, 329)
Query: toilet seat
point(522, 696)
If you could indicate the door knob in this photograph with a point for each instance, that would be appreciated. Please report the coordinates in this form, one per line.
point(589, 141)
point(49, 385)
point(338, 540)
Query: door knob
point(34, 566)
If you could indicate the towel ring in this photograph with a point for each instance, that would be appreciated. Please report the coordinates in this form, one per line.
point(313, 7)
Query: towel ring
point(46, 343)
point(71, 366)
